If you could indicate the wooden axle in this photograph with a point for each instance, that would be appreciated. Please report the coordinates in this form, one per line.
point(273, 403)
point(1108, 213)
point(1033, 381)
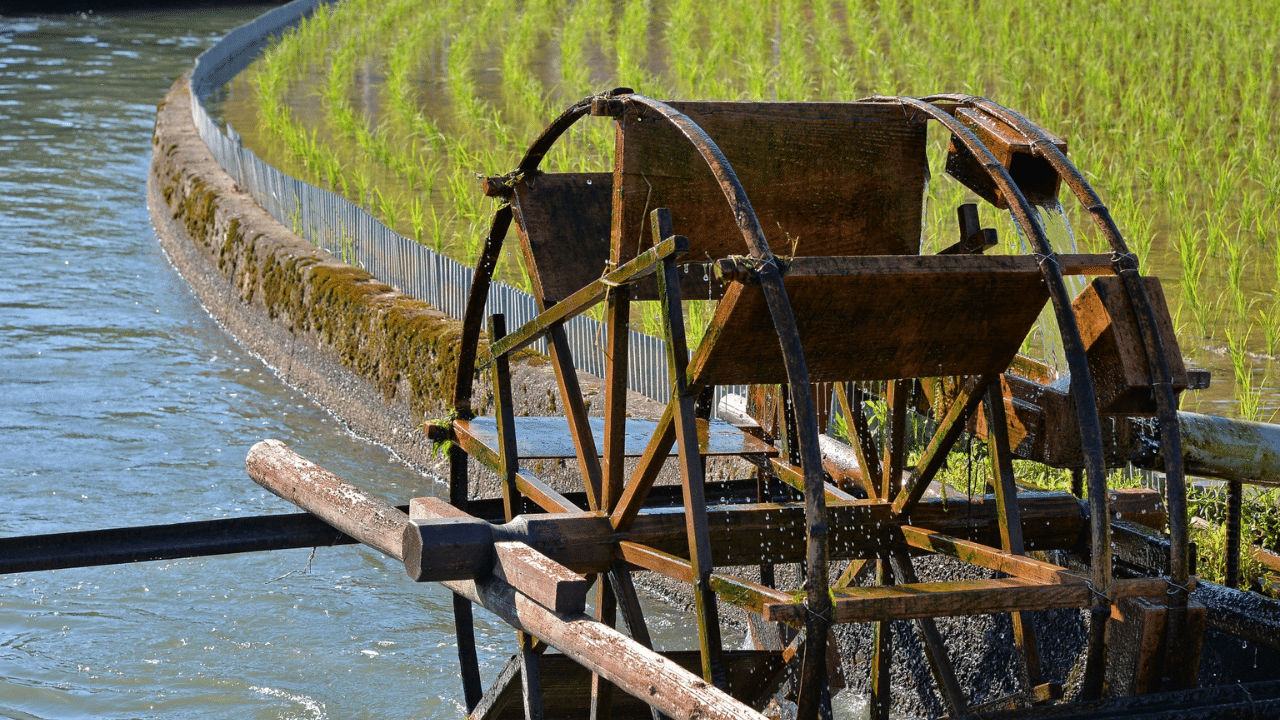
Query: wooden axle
point(585, 542)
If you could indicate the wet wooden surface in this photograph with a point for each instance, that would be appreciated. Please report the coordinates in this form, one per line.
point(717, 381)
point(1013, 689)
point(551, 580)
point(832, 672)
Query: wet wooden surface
point(881, 318)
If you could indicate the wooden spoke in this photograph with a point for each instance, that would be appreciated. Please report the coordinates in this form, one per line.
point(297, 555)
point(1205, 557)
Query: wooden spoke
point(944, 673)
point(853, 407)
point(684, 420)
point(1010, 524)
point(881, 653)
point(512, 503)
point(601, 690)
point(944, 438)
point(895, 445)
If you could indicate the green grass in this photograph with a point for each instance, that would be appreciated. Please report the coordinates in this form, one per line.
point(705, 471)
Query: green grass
point(401, 105)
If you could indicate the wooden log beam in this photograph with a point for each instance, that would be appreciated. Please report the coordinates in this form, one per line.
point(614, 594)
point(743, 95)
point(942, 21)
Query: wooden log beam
point(641, 672)
point(1236, 450)
point(346, 507)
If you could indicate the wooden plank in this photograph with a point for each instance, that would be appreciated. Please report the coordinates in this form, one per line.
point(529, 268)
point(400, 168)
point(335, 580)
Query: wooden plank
point(794, 476)
point(532, 676)
point(548, 438)
point(988, 557)
point(614, 445)
point(601, 689)
point(895, 446)
point(482, 449)
point(648, 558)
point(583, 541)
point(563, 221)
point(931, 317)
point(1113, 345)
point(1024, 635)
point(540, 577)
point(881, 700)
point(823, 178)
point(962, 597)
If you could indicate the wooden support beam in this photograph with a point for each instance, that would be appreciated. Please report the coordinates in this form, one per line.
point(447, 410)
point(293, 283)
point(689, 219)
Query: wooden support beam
point(881, 701)
point(988, 557)
point(575, 412)
point(895, 446)
point(794, 476)
point(512, 501)
point(582, 541)
point(962, 597)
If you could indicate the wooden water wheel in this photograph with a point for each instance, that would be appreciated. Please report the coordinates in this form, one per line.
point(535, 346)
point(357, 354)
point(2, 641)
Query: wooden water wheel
point(811, 214)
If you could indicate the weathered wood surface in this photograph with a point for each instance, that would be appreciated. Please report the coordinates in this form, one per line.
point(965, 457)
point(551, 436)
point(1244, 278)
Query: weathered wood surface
point(897, 317)
point(1114, 347)
point(624, 662)
point(563, 221)
point(962, 597)
point(588, 296)
point(344, 506)
point(823, 178)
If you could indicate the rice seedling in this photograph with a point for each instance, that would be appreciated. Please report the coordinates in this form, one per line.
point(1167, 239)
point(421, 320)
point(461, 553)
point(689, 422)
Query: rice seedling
point(1178, 137)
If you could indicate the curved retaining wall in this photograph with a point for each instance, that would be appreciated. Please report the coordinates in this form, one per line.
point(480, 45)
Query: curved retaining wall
point(378, 359)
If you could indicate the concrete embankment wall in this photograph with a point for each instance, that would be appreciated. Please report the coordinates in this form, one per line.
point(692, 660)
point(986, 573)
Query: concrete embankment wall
point(381, 361)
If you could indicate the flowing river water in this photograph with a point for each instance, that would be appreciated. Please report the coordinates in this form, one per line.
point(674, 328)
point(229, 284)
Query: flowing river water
point(122, 403)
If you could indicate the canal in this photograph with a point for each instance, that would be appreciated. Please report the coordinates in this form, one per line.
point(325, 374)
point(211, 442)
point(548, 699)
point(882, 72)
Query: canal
point(122, 403)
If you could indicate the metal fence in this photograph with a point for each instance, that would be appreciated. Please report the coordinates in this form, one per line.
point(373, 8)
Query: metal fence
point(350, 233)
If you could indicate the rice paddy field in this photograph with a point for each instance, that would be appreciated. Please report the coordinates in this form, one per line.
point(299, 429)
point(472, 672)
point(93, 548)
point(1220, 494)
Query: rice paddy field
point(1168, 109)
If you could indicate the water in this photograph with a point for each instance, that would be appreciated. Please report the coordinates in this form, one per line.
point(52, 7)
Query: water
point(122, 403)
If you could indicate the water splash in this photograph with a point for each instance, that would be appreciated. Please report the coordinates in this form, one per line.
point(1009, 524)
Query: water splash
point(1045, 341)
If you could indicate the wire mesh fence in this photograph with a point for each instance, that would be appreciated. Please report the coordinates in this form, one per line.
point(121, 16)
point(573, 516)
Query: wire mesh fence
point(350, 233)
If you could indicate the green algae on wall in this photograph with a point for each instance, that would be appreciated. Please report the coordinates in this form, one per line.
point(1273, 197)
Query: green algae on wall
point(406, 348)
